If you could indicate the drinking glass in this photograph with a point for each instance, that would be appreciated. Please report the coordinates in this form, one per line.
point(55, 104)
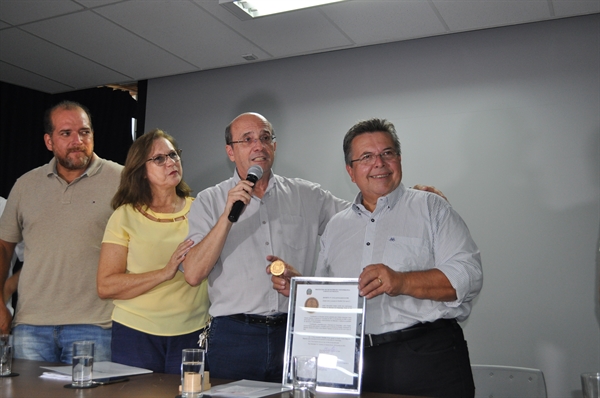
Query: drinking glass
point(192, 372)
point(305, 372)
point(83, 363)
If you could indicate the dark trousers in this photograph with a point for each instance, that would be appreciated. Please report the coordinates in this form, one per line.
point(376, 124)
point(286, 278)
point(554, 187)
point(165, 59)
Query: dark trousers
point(435, 364)
point(160, 354)
point(239, 350)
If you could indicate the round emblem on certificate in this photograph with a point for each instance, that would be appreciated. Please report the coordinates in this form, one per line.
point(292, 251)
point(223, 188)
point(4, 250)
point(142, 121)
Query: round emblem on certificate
point(277, 267)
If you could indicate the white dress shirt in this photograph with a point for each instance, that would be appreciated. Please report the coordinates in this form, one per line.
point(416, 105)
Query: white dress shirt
point(409, 230)
point(286, 223)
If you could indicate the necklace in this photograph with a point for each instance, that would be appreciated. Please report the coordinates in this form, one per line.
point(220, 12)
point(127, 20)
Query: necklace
point(151, 217)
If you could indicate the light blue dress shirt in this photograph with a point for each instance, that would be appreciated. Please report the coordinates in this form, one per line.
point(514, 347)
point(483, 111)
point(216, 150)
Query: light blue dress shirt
point(409, 230)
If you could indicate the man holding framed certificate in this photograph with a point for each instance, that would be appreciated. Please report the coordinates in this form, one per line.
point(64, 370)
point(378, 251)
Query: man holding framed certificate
point(281, 218)
point(417, 266)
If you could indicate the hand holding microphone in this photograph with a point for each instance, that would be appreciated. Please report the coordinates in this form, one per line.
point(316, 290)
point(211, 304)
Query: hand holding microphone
point(254, 174)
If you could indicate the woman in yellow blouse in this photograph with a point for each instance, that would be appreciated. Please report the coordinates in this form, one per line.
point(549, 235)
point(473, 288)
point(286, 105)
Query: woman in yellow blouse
point(157, 313)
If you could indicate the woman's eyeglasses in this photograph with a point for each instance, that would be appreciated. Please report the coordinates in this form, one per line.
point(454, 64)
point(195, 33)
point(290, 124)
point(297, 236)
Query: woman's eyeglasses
point(160, 160)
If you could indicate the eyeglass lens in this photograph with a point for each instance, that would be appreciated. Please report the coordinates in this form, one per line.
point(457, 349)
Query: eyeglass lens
point(368, 159)
point(264, 139)
point(161, 159)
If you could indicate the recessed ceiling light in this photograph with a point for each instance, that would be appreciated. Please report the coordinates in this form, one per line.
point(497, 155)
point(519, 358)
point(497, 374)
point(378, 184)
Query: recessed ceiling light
point(247, 9)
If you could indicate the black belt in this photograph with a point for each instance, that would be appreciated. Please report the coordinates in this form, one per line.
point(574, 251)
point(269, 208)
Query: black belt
point(372, 340)
point(267, 320)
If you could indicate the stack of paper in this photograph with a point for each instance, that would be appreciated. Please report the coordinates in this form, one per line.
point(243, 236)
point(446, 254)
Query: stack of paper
point(102, 370)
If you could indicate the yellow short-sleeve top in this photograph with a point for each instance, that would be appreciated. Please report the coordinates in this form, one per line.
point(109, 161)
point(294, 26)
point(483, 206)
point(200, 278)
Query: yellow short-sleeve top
point(173, 307)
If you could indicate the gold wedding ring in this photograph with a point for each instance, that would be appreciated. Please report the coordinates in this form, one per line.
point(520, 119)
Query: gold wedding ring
point(277, 267)
point(380, 281)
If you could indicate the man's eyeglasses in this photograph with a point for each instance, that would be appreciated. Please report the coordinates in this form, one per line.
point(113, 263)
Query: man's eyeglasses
point(266, 139)
point(159, 160)
point(369, 158)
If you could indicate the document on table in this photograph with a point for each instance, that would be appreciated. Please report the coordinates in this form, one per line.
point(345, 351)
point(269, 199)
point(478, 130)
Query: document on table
point(326, 319)
point(246, 388)
point(102, 369)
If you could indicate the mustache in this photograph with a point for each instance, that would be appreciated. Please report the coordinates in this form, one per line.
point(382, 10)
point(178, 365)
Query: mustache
point(76, 149)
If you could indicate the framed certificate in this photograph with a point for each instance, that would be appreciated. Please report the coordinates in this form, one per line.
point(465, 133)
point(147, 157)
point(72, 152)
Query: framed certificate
point(326, 319)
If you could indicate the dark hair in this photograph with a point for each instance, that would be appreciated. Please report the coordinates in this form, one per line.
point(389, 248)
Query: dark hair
point(228, 137)
point(134, 187)
point(369, 126)
point(68, 105)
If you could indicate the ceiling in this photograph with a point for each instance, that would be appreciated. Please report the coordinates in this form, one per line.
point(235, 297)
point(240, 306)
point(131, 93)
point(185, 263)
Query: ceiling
point(64, 45)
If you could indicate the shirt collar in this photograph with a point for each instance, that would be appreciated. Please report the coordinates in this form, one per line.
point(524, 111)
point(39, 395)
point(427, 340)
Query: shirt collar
point(390, 200)
point(237, 178)
point(92, 169)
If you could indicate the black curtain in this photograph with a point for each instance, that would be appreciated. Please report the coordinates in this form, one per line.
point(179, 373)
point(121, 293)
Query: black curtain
point(21, 126)
point(21, 133)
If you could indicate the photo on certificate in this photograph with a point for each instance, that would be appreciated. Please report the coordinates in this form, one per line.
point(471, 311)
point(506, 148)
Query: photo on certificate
point(326, 318)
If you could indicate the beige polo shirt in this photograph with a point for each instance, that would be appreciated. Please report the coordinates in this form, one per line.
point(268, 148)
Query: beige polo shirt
point(62, 226)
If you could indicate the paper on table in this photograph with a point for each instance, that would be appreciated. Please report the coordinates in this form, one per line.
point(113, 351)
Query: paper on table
point(103, 369)
point(247, 389)
point(55, 376)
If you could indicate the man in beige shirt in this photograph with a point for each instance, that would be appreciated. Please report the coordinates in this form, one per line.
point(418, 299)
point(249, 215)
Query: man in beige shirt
point(60, 211)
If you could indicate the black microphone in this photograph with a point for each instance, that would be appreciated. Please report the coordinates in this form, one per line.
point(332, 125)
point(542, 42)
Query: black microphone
point(254, 174)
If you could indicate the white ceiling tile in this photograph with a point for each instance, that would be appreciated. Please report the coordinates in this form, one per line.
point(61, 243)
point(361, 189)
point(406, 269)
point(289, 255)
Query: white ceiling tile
point(462, 15)
point(376, 21)
point(16, 12)
point(100, 40)
point(566, 8)
point(291, 33)
point(45, 59)
point(97, 3)
point(201, 42)
point(17, 76)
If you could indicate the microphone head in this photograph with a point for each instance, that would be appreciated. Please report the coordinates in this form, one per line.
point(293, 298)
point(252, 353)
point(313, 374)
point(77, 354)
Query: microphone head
point(255, 170)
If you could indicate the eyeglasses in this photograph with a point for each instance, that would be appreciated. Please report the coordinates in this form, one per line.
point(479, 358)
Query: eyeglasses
point(159, 160)
point(369, 158)
point(266, 139)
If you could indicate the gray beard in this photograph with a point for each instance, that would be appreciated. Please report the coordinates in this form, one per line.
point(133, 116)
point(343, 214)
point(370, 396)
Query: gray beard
point(79, 164)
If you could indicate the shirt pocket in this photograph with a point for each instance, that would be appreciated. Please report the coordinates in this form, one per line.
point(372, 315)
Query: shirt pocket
point(293, 233)
point(407, 254)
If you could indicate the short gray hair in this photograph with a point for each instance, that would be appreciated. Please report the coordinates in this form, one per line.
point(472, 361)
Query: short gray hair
point(369, 126)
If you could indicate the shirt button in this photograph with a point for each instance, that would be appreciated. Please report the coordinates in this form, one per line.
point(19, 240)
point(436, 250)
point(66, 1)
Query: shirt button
point(267, 243)
point(264, 222)
point(368, 243)
point(372, 220)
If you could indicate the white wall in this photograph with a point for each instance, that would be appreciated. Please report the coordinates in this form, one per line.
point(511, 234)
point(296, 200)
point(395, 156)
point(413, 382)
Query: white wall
point(505, 121)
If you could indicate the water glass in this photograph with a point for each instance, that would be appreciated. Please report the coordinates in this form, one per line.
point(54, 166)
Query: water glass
point(590, 384)
point(305, 372)
point(83, 363)
point(5, 354)
point(192, 372)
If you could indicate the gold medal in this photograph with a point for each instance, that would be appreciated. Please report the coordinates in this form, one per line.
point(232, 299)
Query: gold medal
point(277, 267)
